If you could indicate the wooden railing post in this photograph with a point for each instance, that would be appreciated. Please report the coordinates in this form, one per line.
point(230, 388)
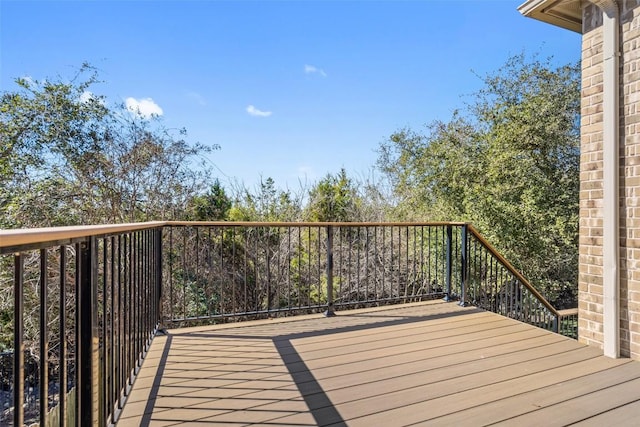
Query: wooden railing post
point(330, 312)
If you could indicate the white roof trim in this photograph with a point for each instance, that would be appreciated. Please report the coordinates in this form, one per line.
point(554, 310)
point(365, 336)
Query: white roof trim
point(562, 13)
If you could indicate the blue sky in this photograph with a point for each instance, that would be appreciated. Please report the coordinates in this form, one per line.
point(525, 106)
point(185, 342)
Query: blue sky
point(291, 90)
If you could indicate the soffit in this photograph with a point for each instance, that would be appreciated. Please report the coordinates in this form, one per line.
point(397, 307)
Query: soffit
point(562, 13)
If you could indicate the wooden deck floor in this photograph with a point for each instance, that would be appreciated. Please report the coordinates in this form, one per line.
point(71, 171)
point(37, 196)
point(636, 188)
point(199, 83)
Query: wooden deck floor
point(421, 364)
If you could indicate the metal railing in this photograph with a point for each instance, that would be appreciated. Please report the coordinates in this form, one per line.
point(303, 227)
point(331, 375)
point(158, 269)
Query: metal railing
point(568, 322)
point(233, 269)
point(85, 309)
point(87, 301)
point(492, 283)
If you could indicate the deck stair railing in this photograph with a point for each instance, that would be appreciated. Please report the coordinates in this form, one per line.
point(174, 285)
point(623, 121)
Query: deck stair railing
point(82, 304)
point(493, 284)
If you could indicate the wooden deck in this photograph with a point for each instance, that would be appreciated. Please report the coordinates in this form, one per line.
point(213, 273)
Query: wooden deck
point(421, 364)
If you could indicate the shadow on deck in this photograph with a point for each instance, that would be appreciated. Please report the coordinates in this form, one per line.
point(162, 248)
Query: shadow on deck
point(431, 363)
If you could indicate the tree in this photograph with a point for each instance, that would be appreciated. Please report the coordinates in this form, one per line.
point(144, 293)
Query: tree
point(268, 203)
point(432, 173)
point(211, 206)
point(69, 157)
point(46, 128)
point(333, 198)
point(510, 165)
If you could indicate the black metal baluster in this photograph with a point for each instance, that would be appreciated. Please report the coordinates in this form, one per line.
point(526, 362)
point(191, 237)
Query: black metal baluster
point(62, 354)
point(267, 251)
point(103, 350)
point(121, 322)
point(222, 274)
point(463, 266)
point(129, 311)
point(289, 267)
point(133, 292)
point(158, 315)
point(430, 283)
point(329, 312)
point(87, 345)
point(382, 272)
point(278, 275)
point(234, 271)
point(246, 262)
point(368, 264)
point(256, 272)
point(18, 341)
point(170, 273)
point(321, 269)
point(185, 276)
point(308, 284)
point(113, 391)
point(44, 340)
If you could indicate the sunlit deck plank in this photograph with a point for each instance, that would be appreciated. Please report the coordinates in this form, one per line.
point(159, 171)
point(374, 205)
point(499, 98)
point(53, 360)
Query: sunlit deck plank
point(621, 416)
point(585, 406)
point(431, 363)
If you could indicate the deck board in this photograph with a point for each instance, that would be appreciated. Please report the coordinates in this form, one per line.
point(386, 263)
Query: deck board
point(431, 363)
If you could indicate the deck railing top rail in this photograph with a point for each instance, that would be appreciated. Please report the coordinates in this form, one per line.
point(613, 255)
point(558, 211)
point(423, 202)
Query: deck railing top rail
point(10, 240)
point(314, 223)
point(14, 239)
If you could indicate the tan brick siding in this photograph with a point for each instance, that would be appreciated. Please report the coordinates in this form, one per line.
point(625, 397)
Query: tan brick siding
point(630, 177)
point(590, 241)
point(590, 270)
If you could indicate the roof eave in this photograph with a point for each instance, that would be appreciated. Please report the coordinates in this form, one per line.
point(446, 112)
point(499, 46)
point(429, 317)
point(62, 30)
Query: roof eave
point(561, 13)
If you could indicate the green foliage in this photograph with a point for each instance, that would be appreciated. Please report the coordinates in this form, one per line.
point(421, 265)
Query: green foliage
point(69, 157)
point(309, 284)
point(510, 166)
point(268, 204)
point(334, 198)
point(431, 173)
point(319, 294)
point(211, 206)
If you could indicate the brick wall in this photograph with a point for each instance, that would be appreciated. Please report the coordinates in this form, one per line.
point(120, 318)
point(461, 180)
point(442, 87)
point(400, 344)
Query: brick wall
point(630, 177)
point(590, 273)
point(590, 270)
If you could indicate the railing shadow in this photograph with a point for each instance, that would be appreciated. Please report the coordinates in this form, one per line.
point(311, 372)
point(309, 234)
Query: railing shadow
point(157, 381)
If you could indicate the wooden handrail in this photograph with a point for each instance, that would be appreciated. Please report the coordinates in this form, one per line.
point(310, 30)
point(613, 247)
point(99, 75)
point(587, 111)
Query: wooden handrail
point(568, 312)
point(310, 224)
point(12, 238)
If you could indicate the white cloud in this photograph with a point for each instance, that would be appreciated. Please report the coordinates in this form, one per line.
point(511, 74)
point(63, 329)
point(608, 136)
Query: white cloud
point(195, 96)
point(311, 69)
point(144, 107)
point(253, 111)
